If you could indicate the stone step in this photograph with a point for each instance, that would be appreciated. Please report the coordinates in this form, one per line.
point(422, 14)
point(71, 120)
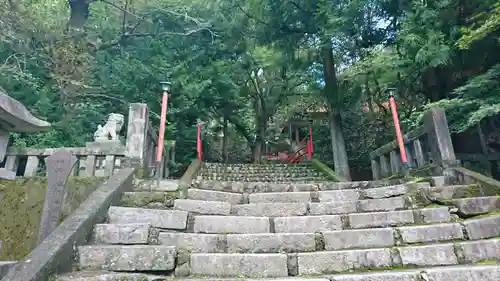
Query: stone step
point(231, 224)
point(210, 195)
point(292, 209)
point(265, 179)
point(203, 207)
point(489, 272)
point(277, 172)
point(339, 196)
point(410, 256)
point(125, 234)
point(147, 199)
point(324, 208)
point(289, 193)
point(165, 185)
point(477, 205)
point(167, 219)
point(239, 265)
point(127, 258)
point(255, 173)
point(263, 165)
point(480, 228)
point(327, 262)
point(259, 187)
point(475, 229)
point(311, 242)
point(319, 223)
point(440, 193)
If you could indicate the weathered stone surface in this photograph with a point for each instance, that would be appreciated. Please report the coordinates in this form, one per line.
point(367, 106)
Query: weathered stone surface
point(241, 265)
point(237, 187)
point(261, 187)
point(381, 219)
point(270, 243)
point(385, 192)
point(477, 205)
point(475, 251)
point(384, 204)
point(339, 261)
point(124, 233)
point(463, 273)
point(483, 228)
point(409, 275)
point(358, 238)
point(107, 276)
point(231, 224)
point(52, 254)
point(5, 266)
point(307, 224)
point(209, 195)
point(304, 187)
point(353, 185)
point(127, 258)
point(203, 207)
point(150, 200)
point(338, 195)
point(280, 197)
point(157, 218)
point(431, 233)
point(270, 209)
point(59, 166)
point(429, 255)
point(440, 193)
point(432, 215)
point(193, 242)
point(165, 185)
point(332, 208)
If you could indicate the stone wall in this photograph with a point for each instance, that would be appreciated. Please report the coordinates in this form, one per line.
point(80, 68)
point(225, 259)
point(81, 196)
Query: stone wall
point(21, 203)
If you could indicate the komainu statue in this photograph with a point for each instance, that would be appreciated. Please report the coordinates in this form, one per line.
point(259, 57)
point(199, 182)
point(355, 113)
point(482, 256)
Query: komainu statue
point(111, 129)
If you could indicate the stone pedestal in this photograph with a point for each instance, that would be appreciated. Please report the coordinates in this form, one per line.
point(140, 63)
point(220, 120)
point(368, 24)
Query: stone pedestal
point(100, 168)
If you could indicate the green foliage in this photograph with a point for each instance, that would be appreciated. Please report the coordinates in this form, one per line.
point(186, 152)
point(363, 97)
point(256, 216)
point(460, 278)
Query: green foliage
point(435, 53)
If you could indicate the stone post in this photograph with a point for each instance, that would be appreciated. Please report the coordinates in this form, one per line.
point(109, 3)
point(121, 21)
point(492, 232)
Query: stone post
point(136, 146)
point(439, 137)
point(376, 170)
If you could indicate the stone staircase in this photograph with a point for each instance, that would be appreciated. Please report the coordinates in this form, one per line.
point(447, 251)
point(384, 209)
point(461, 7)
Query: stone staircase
point(275, 173)
point(323, 231)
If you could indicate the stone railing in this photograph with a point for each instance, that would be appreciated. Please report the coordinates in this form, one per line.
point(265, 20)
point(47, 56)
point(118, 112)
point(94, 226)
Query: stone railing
point(480, 162)
point(101, 162)
point(427, 147)
point(100, 159)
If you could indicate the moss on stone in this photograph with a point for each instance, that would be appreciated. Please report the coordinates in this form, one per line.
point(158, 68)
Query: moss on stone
point(493, 214)
point(21, 205)
point(148, 199)
point(325, 170)
point(485, 262)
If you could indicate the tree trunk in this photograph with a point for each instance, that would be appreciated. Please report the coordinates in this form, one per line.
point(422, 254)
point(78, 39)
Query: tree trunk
point(224, 141)
point(332, 94)
point(79, 14)
point(259, 141)
point(257, 152)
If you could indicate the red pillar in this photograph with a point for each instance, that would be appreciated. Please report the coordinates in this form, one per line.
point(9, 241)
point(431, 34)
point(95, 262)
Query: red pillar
point(310, 143)
point(399, 135)
point(198, 142)
point(163, 120)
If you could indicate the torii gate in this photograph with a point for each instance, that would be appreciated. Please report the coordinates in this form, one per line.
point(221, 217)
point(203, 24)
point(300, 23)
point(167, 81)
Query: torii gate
point(299, 145)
